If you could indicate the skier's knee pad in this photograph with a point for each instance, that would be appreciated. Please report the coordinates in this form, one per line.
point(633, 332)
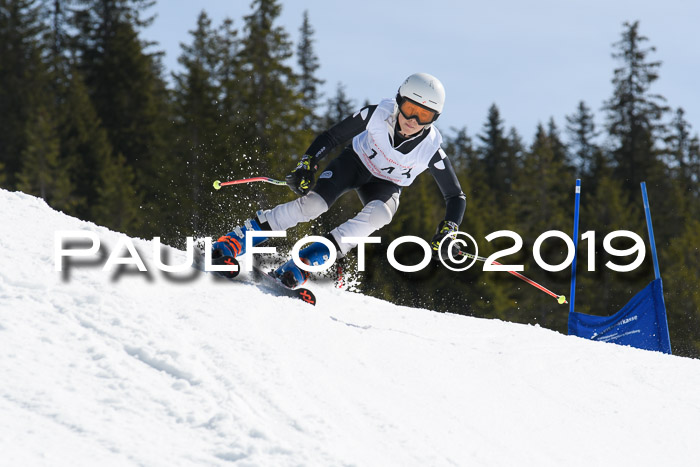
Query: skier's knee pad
point(381, 213)
point(312, 205)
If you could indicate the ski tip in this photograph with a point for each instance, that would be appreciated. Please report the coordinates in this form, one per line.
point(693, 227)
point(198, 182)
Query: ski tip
point(227, 261)
point(307, 296)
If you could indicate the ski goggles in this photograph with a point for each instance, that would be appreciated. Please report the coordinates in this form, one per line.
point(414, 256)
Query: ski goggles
point(422, 114)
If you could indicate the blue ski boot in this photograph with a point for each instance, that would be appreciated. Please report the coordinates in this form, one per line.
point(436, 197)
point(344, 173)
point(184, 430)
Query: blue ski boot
point(291, 275)
point(233, 244)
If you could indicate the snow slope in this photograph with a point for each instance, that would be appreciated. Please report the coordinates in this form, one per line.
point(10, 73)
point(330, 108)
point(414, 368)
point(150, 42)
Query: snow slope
point(137, 369)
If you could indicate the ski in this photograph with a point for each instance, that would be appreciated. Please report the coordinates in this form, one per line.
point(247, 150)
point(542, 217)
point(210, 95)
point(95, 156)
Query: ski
point(272, 283)
point(263, 278)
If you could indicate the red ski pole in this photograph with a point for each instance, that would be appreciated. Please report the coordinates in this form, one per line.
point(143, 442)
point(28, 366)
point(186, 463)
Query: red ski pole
point(218, 184)
point(561, 299)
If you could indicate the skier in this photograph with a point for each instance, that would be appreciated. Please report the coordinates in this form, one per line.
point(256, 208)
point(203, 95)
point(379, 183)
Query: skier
point(392, 143)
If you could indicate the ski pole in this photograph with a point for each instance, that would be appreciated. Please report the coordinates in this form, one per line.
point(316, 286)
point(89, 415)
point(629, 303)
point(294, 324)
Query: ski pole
point(218, 184)
point(561, 299)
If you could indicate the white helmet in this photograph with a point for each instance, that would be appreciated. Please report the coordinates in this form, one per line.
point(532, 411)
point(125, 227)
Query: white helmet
point(424, 89)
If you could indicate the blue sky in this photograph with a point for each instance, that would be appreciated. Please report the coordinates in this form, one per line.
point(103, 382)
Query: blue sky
point(534, 60)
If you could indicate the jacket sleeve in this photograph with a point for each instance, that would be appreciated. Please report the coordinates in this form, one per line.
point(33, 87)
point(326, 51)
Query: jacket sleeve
point(340, 133)
point(443, 173)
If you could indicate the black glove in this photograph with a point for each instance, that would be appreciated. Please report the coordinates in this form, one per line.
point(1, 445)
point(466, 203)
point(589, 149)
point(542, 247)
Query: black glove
point(444, 229)
point(301, 179)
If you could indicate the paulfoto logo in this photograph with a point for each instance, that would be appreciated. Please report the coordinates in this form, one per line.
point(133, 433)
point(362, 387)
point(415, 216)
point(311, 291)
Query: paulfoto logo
point(462, 251)
point(87, 245)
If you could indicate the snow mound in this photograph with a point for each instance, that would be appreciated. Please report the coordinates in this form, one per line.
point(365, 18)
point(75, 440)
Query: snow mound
point(128, 368)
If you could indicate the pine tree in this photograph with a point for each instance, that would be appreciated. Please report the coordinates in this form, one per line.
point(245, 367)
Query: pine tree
point(633, 113)
point(229, 76)
point(23, 77)
point(494, 153)
point(229, 68)
point(460, 149)
point(118, 73)
point(559, 149)
point(585, 155)
point(500, 158)
point(541, 194)
point(270, 101)
point(59, 37)
point(683, 152)
point(308, 81)
point(338, 107)
point(516, 149)
point(83, 142)
point(127, 92)
point(43, 173)
point(200, 128)
point(118, 201)
point(58, 40)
